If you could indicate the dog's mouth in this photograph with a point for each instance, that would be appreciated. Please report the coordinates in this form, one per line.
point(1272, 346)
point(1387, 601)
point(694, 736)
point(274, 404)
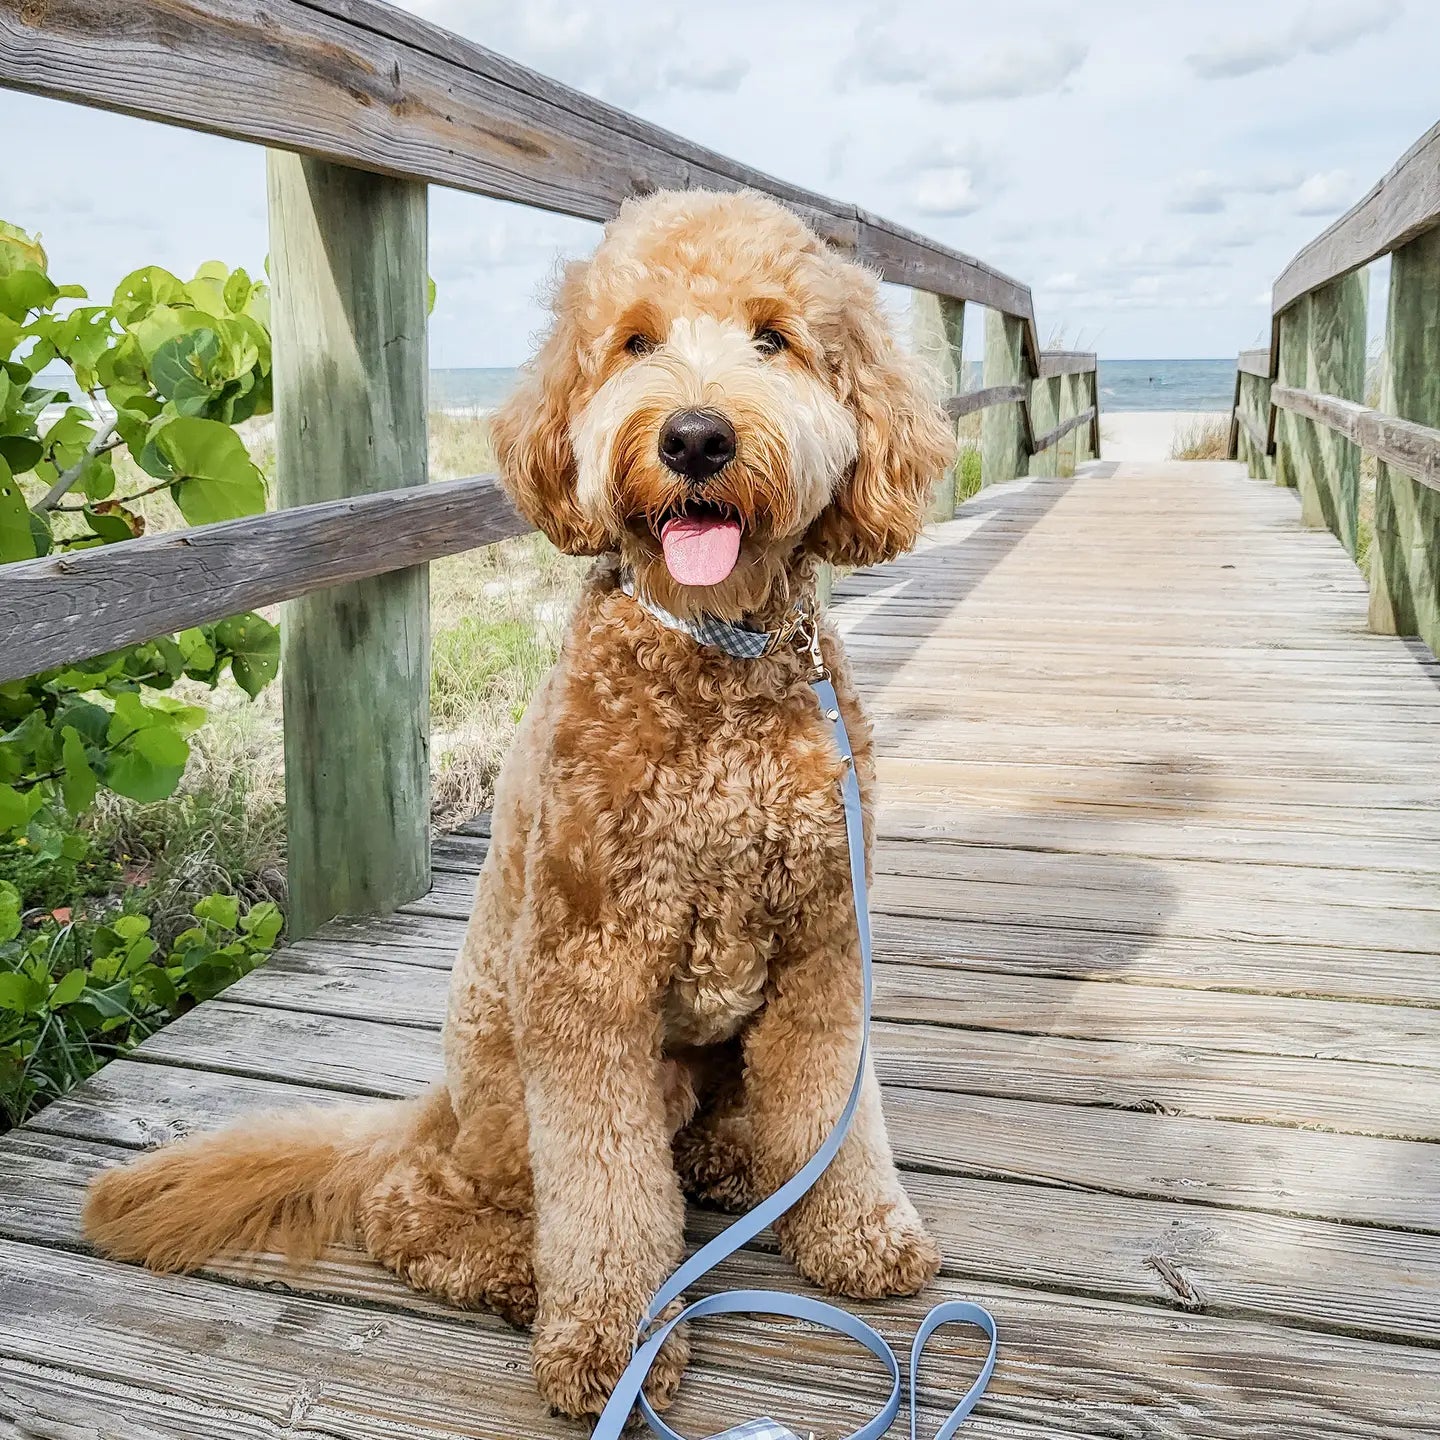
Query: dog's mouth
point(701, 542)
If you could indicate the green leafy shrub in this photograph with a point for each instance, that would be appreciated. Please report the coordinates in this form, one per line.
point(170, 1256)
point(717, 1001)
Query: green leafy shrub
point(75, 995)
point(169, 367)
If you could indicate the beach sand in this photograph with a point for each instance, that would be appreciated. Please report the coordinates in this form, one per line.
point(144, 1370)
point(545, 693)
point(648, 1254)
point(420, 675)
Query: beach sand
point(1146, 434)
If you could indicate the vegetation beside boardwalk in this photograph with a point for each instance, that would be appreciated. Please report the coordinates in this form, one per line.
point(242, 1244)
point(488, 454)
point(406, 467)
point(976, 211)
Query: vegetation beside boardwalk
point(142, 829)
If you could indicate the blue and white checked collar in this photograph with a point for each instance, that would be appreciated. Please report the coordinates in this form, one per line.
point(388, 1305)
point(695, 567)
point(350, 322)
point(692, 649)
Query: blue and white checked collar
point(737, 640)
point(758, 1430)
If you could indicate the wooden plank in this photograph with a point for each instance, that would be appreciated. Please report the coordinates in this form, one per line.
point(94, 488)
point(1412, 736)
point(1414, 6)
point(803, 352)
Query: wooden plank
point(1405, 551)
point(958, 405)
point(65, 608)
point(1403, 445)
point(1060, 431)
point(1397, 209)
point(1054, 363)
point(351, 83)
point(1329, 1176)
point(349, 266)
point(1330, 489)
point(1286, 432)
point(1255, 362)
point(1071, 1365)
point(1383, 1283)
point(1004, 429)
point(1044, 415)
point(1255, 434)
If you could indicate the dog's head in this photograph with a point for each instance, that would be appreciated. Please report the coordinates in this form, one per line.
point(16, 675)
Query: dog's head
point(719, 395)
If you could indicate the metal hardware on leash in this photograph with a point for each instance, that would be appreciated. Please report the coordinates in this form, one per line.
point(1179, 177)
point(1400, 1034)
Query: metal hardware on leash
point(653, 1331)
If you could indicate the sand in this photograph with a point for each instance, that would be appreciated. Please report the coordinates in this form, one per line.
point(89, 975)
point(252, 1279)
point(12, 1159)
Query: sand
point(1146, 434)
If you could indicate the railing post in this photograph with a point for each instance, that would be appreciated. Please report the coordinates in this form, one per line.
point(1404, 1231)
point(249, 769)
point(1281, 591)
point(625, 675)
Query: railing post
point(1003, 451)
point(1294, 370)
point(1405, 551)
point(1255, 403)
point(1329, 470)
point(938, 326)
point(348, 254)
point(1071, 404)
point(1045, 415)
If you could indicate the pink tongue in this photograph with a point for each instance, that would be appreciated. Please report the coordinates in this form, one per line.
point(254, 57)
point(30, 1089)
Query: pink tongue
point(700, 551)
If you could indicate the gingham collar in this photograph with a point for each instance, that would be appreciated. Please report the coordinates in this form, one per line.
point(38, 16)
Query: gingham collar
point(729, 636)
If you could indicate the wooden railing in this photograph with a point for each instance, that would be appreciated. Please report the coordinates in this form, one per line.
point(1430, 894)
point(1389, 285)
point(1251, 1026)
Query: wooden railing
point(1300, 416)
point(362, 107)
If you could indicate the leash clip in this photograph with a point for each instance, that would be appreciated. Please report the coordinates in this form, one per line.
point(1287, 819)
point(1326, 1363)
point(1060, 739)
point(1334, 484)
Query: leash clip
point(801, 628)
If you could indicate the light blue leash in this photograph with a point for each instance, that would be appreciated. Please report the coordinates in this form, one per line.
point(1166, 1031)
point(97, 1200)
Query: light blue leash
point(629, 1390)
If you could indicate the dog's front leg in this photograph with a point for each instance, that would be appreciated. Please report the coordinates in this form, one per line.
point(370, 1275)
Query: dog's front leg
point(855, 1232)
point(609, 1211)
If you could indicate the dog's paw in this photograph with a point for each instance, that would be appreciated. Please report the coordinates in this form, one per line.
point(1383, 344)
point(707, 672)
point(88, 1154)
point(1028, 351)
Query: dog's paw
point(578, 1360)
point(713, 1162)
point(885, 1250)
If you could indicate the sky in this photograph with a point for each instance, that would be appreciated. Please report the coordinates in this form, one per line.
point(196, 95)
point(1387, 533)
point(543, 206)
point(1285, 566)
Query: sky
point(1146, 166)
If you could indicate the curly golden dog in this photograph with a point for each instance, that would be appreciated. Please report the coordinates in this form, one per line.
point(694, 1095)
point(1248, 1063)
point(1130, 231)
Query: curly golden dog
point(659, 990)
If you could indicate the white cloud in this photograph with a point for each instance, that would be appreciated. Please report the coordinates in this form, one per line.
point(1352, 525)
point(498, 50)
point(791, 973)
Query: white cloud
point(1326, 193)
point(952, 178)
point(1319, 29)
point(1202, 193)
point(1065, 283)
point(1009, 73)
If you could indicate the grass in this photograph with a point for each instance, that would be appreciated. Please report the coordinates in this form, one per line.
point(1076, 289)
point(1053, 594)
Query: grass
point(1207, 437)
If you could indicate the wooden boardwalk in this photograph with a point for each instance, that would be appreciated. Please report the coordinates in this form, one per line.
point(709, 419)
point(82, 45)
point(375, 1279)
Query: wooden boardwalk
point(1159, 911)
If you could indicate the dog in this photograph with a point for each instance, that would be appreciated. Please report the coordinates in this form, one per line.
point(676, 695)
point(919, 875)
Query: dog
point(659, 990)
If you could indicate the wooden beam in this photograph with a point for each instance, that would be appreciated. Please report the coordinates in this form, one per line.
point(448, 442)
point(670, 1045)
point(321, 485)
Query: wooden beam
point(1065, 362)
point(1255, 362)
point(1004, 429)
point(66, 608)
point(1285, 431)
point(348, 255)
point(361, 84)
point(958, 405)
point(1255, 433)
point(1398, 209)
point(1051, 437)
point(1403, 445)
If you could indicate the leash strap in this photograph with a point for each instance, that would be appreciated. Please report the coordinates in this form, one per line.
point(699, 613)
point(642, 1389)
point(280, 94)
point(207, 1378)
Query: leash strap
point(628, 1392)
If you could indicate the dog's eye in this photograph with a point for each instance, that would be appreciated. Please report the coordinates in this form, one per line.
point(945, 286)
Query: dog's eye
point(639, 344)
point(769, 342)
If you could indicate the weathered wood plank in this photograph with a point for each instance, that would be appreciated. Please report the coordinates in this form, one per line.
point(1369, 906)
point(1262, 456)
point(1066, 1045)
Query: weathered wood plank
point(350, 83)
point(1060, 431)
point(69, 607)
point(1044, 413)
point(1322, 1175)
point(938, 330)
point(1255, 362)
point(958, 405)
point(1397, 209)
point(1379, 1282)
point(1071, 1365)
point(351, 375)
point(1066, 362)
point(1403, 445)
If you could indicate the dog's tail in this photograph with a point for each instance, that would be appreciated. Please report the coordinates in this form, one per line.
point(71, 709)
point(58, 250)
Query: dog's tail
point(292, 1182)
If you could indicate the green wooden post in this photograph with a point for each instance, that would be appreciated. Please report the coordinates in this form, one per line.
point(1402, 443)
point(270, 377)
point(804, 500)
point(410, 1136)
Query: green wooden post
point(1330, 472)
point(1045, 415)
point(1072, 402)
point(938, 325)
point(1291, 430)
point(1405, 552)
point(1256, 402)
point(348, 257)
point(1003, 451)
point(1090, 398)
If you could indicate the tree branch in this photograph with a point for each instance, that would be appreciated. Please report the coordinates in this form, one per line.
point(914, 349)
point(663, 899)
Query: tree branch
point(100, 441)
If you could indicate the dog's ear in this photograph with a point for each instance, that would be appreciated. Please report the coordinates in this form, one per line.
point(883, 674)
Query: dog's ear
point(906, 442)
point(531, 433)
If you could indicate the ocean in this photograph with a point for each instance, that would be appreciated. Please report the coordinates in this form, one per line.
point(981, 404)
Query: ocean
point(1124, 385)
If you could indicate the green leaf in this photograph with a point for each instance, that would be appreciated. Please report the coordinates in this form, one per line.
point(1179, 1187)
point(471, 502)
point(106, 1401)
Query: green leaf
point(16, 541)
point(78, 785)
point(142, 290)
point(254, 646)
point(216, 478)
point(150, 752)
point(9, 911)
point(183, 371)
point(262, 923)
point(17, 806)
point(20, 452)
point(25, 289)
point(20, 993)
point(237, 292)
point(222, 910)
point(68, 989)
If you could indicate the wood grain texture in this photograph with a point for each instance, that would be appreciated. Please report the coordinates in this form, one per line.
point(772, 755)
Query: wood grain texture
point(968, 404)
point(1409, 448)
point(1254, 362)
point(937, 328)
point(351, 376)
point(65, 608)
point(1044, 425)
point(1396, 210)
point(356, 84)
point(1005, 433)
point(1057, 433)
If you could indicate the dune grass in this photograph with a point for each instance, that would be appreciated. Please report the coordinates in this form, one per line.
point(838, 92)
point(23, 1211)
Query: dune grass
point(1206, 437)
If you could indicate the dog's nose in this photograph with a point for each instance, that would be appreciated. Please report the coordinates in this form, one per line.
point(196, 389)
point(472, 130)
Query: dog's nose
point(697, 443)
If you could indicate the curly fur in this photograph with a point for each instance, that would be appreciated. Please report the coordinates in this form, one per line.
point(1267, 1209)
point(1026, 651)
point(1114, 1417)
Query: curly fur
point(659, 986)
